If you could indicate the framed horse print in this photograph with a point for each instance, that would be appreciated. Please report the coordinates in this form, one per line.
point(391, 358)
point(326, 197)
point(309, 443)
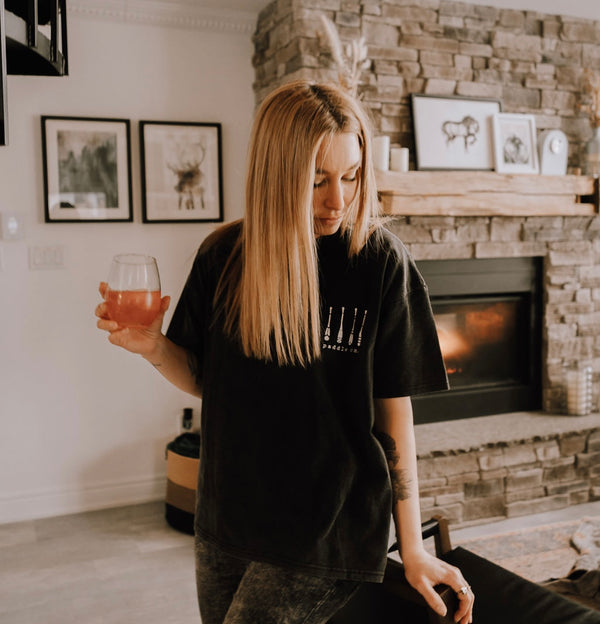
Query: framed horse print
point(181, 171)
point(453, 132)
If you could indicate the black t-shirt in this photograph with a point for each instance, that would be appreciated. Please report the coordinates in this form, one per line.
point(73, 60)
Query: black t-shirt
point(290, 471)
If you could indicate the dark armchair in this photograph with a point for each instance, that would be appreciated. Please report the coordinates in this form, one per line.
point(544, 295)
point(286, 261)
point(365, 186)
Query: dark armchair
point(501, 597)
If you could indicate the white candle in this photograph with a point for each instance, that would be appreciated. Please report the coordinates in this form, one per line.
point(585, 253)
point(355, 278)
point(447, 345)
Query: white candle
point(381, 152)
point(399, 159)
point(579, 391)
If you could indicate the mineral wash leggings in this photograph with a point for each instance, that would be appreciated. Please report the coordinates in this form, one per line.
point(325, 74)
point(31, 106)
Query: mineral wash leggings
point(237, 591)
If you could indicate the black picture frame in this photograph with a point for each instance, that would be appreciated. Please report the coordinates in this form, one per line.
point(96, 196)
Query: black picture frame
point(181, 173)
point(87, 169)
point(3, 94)
point(453, 132)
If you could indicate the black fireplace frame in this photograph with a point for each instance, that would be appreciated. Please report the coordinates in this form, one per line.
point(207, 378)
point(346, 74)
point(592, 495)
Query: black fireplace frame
point(483, 277)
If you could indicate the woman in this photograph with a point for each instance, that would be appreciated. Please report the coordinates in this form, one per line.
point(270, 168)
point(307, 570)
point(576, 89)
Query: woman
point(305, 328)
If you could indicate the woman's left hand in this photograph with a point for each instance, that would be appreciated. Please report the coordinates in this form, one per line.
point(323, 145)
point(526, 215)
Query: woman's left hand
point(424, 571)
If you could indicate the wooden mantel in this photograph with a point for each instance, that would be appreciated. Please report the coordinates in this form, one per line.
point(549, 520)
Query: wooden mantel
point(486, 193)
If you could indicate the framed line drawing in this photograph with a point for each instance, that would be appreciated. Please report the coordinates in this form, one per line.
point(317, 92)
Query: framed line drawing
point(515, 145)
point(453, 132)
point(181, 171)
point(87, 169)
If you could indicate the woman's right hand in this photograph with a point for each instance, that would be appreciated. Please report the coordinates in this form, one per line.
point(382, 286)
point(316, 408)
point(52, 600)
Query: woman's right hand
point(143, 341)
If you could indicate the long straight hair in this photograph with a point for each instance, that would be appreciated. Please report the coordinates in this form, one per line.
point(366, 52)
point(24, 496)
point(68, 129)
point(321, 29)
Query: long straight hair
point(269, 289)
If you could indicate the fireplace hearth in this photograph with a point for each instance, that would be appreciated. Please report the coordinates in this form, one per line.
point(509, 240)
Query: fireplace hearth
point(488, 314)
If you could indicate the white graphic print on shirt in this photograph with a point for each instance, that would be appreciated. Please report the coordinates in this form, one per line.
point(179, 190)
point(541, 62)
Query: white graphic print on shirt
point(344, 330)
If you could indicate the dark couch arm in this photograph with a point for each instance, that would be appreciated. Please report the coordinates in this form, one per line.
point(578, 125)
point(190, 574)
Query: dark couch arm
point(395, 600)
point(502, 597)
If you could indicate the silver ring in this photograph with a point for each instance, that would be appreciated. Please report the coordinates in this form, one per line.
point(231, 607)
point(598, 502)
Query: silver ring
point(463, 590)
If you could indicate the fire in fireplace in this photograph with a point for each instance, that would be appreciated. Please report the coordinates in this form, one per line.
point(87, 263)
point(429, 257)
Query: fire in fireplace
point(478, 339)
point(488, 316)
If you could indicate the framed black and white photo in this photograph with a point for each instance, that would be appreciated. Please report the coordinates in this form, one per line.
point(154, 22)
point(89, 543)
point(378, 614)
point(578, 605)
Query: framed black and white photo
point(515, 145)
point(181, 171)
point(453, 132)
point(87, 169)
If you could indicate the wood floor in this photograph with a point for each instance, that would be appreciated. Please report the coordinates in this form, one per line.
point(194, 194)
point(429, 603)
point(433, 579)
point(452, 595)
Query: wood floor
point(128, 566)
point(116, 566)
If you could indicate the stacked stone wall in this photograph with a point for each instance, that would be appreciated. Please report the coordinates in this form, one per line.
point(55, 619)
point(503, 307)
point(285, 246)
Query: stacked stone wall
point(531, 61)
point(509, 480)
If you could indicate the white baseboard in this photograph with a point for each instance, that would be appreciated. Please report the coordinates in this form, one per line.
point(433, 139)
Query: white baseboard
point(31, 505)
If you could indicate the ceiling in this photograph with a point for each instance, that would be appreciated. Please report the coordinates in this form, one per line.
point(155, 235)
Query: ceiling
point(229, 15)
point(248, 6)
point(242, 5)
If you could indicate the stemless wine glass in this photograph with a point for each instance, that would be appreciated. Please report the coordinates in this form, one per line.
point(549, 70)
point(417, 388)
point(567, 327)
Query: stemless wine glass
point(133, 293)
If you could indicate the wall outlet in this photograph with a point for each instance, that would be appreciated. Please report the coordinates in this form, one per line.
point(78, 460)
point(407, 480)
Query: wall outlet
point(187, 419)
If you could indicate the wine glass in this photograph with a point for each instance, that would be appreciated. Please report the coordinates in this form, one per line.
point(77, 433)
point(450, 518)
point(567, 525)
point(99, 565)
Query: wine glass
point(133, 293)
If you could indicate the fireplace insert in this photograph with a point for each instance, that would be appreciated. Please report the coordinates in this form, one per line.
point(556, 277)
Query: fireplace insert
point(488, 315)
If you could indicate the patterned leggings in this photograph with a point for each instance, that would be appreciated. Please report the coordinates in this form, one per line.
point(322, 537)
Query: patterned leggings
point(237, 591)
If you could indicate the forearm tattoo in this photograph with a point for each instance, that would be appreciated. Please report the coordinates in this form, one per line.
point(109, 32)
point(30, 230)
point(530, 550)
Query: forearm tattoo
point(399, 477)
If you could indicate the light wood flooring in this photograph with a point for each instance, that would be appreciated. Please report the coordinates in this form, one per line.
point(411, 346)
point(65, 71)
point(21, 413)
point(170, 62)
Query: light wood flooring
point(128, 566)
point(115, 566)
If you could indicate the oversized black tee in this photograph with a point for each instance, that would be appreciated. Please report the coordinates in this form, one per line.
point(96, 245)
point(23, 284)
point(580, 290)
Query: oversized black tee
point(290, 471)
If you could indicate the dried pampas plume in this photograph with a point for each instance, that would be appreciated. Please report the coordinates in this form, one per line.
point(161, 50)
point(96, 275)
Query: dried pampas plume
point(591, 90)
point(349, 59)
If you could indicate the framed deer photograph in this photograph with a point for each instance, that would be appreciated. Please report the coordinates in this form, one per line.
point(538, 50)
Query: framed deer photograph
point(453, 132)
point(181, 171)
point(87, 169)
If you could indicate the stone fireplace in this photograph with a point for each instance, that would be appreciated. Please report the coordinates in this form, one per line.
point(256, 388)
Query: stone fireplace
point(569, 250)
point(508, 462)
point(521, 462)
point(488, 313)
point(512, 463)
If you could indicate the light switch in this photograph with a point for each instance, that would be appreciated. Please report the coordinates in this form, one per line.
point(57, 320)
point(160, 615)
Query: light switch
point(47, 257)
point(12, 225)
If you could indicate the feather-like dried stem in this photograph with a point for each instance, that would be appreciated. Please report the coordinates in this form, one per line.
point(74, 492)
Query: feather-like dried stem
point(349, 61)
point(591, 88)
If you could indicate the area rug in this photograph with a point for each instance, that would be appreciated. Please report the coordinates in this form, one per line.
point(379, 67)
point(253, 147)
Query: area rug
point(542, 553)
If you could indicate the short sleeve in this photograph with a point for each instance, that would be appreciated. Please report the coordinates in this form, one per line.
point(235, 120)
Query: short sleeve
point(188, 324)
point(407, 356)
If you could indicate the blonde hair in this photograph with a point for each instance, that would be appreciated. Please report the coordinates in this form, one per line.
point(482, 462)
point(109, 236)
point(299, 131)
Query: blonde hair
point(269, 289)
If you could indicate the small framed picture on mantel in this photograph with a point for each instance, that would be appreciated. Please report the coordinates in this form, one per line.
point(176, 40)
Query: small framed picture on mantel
point(453, 132)
point(515, 145)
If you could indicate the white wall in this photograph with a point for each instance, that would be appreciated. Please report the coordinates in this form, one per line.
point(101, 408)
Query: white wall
point(83, 424)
